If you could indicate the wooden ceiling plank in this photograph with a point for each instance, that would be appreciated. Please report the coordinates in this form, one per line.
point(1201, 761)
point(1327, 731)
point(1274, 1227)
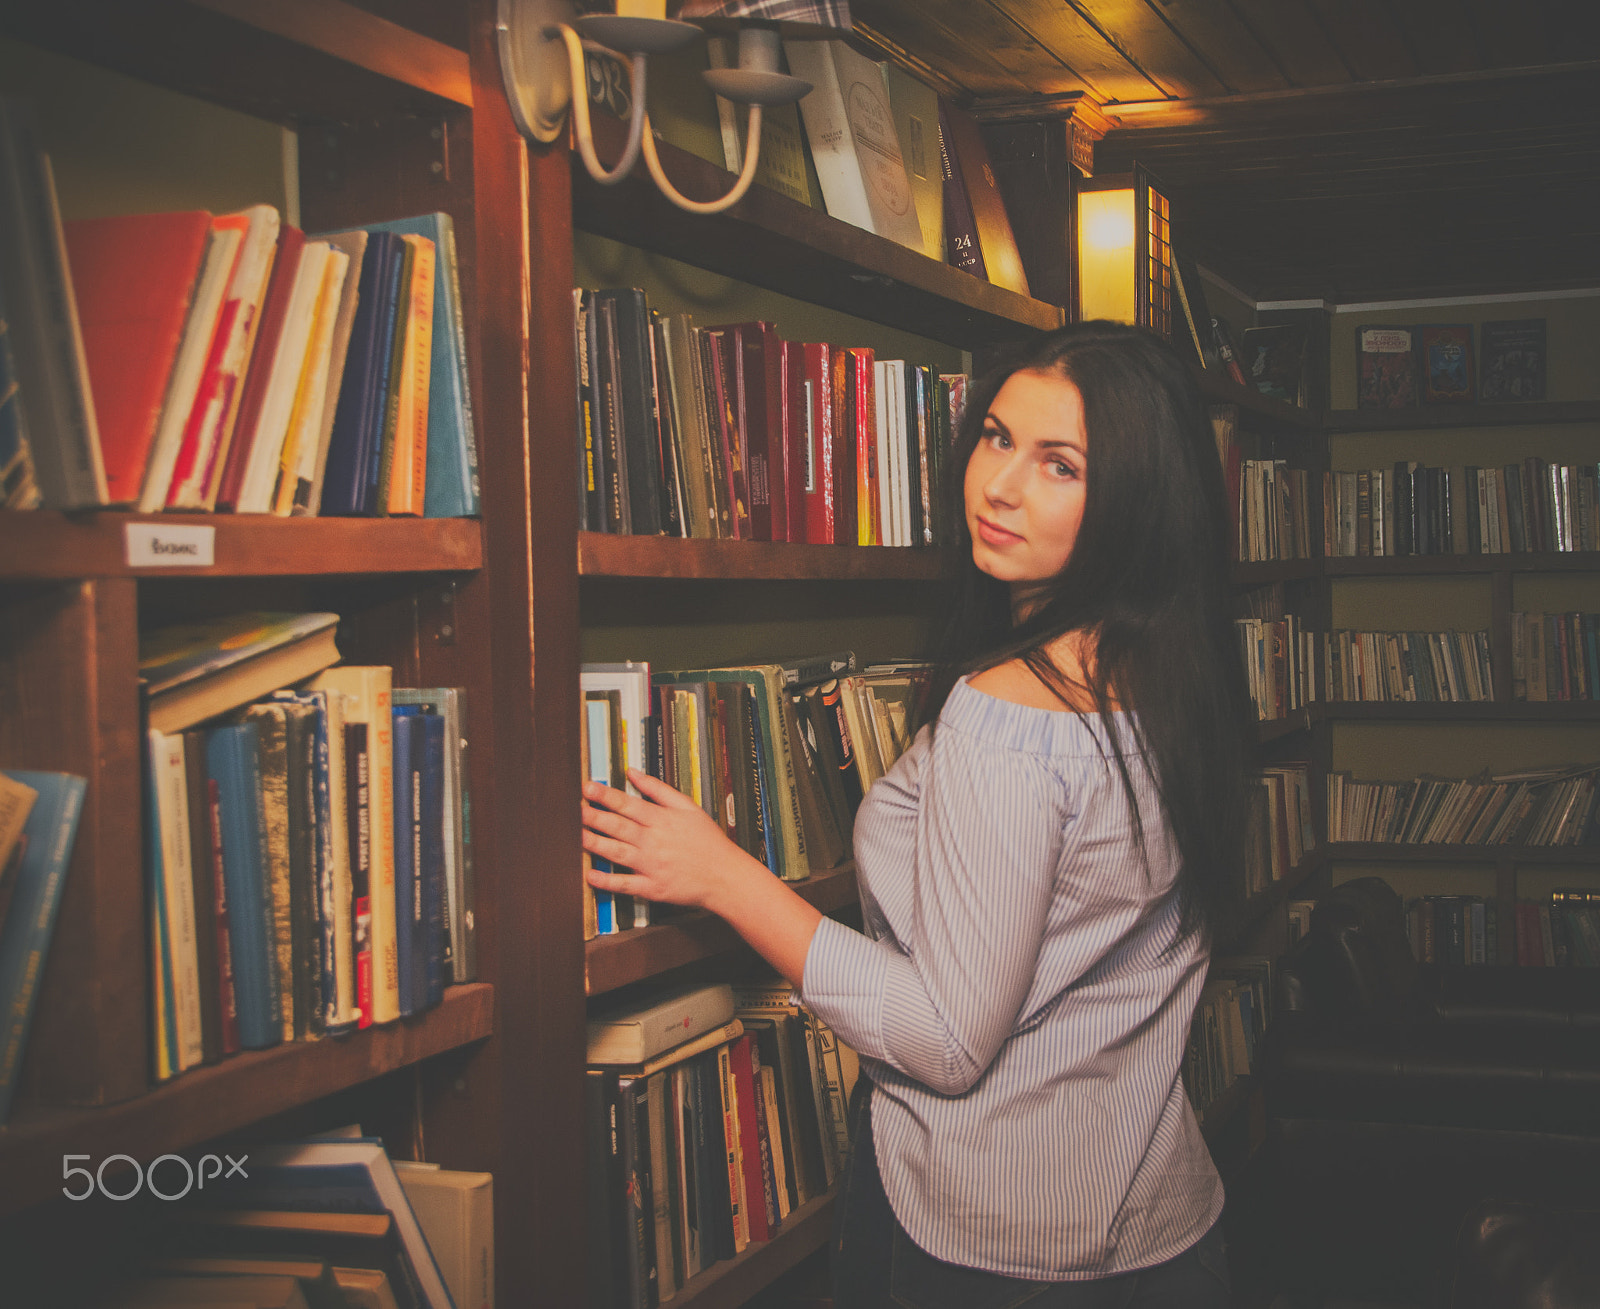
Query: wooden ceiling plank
point(1366, 37)
point(970, 43)
point(1442, 35)
point(1111, 75)
point(1298, 43)
point(1211, 32)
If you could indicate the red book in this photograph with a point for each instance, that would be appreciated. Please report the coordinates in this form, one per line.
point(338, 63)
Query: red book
point(756, 356)
point(760, 1194)
point(133, 277)
point(284, 267)
point(843, 469)
point(821, 487)
point(797, 459)
point(864, 413)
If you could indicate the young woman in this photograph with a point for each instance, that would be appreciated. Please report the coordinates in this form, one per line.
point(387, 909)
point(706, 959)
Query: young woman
point(1040, 872)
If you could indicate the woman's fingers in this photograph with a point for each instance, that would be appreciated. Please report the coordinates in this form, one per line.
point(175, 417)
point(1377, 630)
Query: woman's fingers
point(653, 788)
point(607, 823)
point(606, 847)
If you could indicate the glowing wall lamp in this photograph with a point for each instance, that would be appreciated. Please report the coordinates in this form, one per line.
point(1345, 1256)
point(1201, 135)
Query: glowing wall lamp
point(542, 44)
point(1125, 250)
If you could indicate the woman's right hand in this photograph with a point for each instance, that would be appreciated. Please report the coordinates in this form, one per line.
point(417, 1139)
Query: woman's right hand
point(677, 851)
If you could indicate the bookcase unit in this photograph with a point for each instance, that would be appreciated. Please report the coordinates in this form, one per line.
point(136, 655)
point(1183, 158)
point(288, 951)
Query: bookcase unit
point(1505, 732)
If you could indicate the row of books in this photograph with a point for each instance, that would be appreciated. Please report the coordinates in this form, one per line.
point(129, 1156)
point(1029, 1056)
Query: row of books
point(701, 1148)
point(39, 815)
point(779, 754)
point(1408, 667)
point(1229, 1024)
point(731, 433)
point(1561, 932)
point(311, 1224)
point(1540, 807)
point(1555, 656)
point(1282, 831)
point(1413, 509)
point(1435, 363)
point(308, 837)
point(1274, 511)
point(1279, 659)
point(198, 362)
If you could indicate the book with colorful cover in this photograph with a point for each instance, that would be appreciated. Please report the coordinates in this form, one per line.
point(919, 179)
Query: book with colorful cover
point(30, 914)
point(1386, 368)
point(1448, 375)
point(1513, 360)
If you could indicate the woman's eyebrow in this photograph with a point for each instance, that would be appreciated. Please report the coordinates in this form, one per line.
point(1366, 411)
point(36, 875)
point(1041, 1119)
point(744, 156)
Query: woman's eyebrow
point(1061, 445)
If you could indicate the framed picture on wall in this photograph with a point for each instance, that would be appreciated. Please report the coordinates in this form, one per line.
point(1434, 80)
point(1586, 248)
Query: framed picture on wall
point(1445, 352)
point(1513, 360)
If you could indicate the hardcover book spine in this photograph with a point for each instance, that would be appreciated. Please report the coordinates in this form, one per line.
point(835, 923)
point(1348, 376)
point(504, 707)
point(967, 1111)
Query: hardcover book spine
point(407, 754)
point(432, 861)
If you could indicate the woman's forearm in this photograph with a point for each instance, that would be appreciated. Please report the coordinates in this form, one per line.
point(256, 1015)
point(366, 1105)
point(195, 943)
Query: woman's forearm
point(775, 922)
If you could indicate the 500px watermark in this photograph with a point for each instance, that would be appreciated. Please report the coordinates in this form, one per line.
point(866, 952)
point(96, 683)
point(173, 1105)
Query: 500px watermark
point(193, 1176)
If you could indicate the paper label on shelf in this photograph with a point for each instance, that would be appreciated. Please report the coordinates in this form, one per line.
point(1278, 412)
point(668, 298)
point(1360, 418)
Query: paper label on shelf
point(158, 545)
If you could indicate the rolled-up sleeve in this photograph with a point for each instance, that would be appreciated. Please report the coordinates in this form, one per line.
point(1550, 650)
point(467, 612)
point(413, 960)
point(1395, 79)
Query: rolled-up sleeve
point(938, 1001)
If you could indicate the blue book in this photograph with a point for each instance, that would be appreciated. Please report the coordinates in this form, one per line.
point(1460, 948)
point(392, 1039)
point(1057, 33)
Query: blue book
point(358, 417)
point(232, 764)
point(597, 721)
point(407, 749)
point(431, 804)
point(31, 917)
point(452, 486)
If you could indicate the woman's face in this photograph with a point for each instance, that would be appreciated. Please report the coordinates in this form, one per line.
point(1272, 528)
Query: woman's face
point(1025, 482)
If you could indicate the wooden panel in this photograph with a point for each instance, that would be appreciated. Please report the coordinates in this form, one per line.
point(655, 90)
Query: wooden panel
point(1477, 415)
point(312, 60)
point(600, 555)
point(730, 1283)
point(1033, 166)
point(970, 42)
point(1518, 711)
point(1294, 42)
point(1366, 37)
point(69, 702)
point(770, 240)
point(1586, 561)
point(206, 1103)
point(1446, 854)
point(633, 956)
point(1115, 52)
point(47, 544)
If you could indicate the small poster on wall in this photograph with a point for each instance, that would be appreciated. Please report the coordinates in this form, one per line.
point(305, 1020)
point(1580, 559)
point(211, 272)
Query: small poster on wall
point(1513, 360)
point(1447, 372)
point(1386, 363)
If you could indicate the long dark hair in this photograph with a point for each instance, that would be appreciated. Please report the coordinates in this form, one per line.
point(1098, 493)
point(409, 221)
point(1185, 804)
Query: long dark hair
point(1147, 581)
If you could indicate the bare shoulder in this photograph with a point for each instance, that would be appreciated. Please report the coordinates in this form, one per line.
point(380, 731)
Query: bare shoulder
point(1015, 682)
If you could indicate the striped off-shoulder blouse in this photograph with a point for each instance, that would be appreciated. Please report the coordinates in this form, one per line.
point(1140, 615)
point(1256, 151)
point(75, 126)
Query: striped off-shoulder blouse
point(1022, 998)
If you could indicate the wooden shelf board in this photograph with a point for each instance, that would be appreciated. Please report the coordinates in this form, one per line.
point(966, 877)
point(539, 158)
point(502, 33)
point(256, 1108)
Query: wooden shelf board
point(770, 240)
point(603, 555)
point(1275, 729)
point(730, 1283)
point(48, 545)
point(1258, 572)
point(1576, 561)
point(1471, 415)
point(1475, 711)
point(1378, 852)
point(205, 1103)
point(1219, 388)
point(633, 956)
point(283, 60)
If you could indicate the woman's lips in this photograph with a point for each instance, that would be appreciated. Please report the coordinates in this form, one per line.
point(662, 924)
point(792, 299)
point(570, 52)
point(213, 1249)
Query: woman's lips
point(995, 535)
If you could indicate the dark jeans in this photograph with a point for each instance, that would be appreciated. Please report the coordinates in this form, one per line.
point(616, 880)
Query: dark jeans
point(877, 1266)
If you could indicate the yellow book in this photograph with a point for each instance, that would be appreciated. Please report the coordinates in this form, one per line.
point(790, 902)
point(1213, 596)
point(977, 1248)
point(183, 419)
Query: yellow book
point(297, 466)
point(408, 473)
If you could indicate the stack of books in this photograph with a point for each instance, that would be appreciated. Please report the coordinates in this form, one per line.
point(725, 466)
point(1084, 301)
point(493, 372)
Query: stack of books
point(308, 843)
point(730, 433)
point(199, 362)
point(1537, 807)
point(779, 754)
point(1228, 1027)
point(1427, 667)
point(1555, 656)
point(1279, 654)
point(1282, 831)
point(712, 1116)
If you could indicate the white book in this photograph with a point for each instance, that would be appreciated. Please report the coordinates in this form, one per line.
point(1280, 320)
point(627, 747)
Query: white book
point(853, 140)
point(883, 403)
point(198, 329)
point(633, 1036)
point(456, 1213)
point(297, 468)
point(631, 680)
point(283, 382)
point(169, 783)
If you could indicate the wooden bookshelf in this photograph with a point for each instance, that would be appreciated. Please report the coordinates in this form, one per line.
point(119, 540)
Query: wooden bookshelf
point(1275, 729)
point(1266, 571)
point(729, 1284)
point(1443, 417)
point(771, 241)
point(1471, 711)
point(1218, 388)
point(48, 545)
point(1575, 561)
point(1401, 853)
point(602, 555)
point(683, 938)
point(207, 1103)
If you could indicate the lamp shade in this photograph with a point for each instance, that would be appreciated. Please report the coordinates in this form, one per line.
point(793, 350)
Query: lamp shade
point(1106, 230)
